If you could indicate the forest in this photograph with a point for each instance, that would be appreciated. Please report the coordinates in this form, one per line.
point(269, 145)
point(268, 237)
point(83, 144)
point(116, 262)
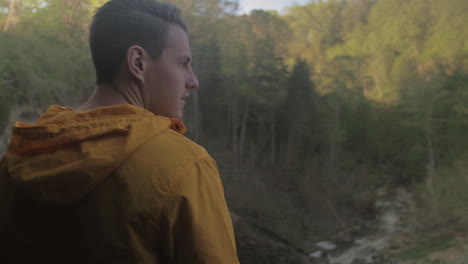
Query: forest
point(316, 116)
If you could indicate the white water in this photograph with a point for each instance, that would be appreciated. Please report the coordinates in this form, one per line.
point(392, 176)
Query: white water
point(371, 248)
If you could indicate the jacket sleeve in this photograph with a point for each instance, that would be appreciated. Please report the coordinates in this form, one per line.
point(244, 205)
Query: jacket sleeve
point(7, 190)
point(197, 222)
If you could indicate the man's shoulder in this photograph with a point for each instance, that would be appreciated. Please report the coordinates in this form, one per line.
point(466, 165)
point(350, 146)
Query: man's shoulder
point(168, 153)
point(160, 166)
point(173, 145)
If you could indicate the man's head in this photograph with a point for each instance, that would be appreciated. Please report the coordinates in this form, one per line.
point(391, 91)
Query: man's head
point(146, 41)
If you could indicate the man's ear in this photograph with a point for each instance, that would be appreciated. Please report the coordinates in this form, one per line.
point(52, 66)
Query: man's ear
point(136, 61)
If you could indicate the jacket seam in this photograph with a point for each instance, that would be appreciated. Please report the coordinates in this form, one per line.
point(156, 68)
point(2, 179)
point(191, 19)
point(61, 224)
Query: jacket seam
point(86, 120)
point(180, 177)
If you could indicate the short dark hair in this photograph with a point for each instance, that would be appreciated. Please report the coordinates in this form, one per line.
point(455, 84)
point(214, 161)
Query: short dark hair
point(119, 24)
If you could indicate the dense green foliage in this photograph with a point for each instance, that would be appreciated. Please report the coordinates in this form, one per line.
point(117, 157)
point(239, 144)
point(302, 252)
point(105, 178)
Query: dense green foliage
point(339, 95)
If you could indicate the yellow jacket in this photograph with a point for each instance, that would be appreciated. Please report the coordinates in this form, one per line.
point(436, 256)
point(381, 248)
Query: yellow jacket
point(111, 185)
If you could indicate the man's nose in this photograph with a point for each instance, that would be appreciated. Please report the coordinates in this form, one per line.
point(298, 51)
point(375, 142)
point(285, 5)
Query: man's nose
point(192, 83)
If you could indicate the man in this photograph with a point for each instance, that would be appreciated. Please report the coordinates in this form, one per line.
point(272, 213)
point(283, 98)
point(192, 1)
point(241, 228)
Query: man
point(116, 181)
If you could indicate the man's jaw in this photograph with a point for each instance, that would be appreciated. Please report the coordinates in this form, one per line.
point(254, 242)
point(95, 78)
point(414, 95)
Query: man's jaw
point(184, 98)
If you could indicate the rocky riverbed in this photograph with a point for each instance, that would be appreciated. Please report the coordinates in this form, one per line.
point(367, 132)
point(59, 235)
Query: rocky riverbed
point(374, 240)
point(391, 239)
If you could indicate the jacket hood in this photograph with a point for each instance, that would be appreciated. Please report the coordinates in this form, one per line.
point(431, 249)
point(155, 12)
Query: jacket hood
point(62, 157)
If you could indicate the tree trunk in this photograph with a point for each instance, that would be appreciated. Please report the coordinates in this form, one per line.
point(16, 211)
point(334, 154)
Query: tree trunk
point(245, 116)
point(234, 131)
point(430, 166)
point(261, 143)
point(253, 155)
point(290, 147)
point(14, 12)
point(334, 134)
point(229, 126)
point(272, 140)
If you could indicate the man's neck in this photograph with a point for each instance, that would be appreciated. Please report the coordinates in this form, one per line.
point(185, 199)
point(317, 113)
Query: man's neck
point(109, 95)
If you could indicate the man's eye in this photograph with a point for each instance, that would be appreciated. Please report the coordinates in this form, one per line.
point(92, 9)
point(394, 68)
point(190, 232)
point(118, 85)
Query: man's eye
point(185, 64)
